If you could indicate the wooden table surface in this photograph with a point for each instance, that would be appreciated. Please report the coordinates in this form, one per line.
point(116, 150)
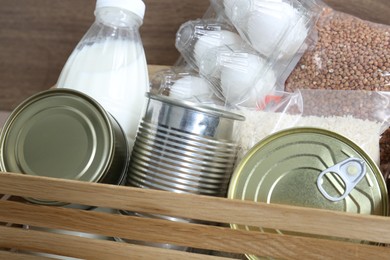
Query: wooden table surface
point(37, 37)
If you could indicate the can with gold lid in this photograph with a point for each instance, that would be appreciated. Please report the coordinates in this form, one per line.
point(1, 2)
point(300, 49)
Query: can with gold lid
point(310, 167)
point(64, 133)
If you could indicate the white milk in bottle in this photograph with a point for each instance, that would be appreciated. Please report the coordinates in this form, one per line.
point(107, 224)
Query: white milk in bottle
point(109, 63)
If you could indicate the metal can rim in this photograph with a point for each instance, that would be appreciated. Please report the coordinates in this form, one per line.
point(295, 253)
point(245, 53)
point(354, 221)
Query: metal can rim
point(195, 106)
point(375, 169)
point(55, 92)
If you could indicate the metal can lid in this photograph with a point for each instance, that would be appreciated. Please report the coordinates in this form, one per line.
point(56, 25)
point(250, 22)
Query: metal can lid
point(210, 110)
point(289, 167)
point(58, 133)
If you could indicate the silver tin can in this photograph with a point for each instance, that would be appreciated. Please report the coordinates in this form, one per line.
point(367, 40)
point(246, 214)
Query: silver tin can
point(184, 147)
point(63, 133)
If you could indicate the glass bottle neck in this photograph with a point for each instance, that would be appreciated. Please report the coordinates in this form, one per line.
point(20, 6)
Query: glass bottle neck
point(116, 17)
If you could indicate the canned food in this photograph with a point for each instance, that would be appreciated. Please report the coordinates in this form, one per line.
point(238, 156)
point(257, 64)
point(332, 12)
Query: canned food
point(310, 167)
point(62, 133)
point(184, 147)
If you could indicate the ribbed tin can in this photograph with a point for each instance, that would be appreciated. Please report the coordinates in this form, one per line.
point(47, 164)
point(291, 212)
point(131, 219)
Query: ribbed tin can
point(64, 133)
point(184, 147)
point(310, 167)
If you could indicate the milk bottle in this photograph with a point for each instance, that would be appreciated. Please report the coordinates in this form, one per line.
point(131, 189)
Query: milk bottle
point(109, 63)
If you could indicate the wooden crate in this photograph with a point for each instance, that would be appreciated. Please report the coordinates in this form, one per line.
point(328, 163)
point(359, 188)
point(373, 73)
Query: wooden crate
point(35, 45)
point(217, 240)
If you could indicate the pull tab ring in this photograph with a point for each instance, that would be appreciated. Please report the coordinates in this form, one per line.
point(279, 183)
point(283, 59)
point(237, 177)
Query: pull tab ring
point(351, 171)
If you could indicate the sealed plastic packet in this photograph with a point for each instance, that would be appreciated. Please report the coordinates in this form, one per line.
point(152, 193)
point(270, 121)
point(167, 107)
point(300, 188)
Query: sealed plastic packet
point(184, 84)
point(350, 54)
point(279, 31)
point(218, 54)
point(341, 111)
point(227, 46)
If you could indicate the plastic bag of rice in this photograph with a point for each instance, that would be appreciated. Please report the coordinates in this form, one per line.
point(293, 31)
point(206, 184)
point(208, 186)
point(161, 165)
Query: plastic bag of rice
point(343, 112)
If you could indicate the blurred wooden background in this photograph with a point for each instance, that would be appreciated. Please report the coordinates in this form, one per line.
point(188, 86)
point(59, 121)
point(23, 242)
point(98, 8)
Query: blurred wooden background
point(37, 36)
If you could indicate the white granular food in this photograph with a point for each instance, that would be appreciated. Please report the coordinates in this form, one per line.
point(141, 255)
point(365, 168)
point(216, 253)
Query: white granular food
point(260, 124)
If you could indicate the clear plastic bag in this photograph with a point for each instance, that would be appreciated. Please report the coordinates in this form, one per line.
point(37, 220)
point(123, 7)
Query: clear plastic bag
point(361, 116)
point(275, 29)
point(247, 48)
point(184, 84)
point(214, 50)
point(350, 54)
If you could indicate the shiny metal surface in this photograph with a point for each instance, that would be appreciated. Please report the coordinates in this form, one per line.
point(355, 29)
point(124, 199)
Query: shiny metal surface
point(182, 141)
point(192, 138)
point(183, 147)
point(175, 183)
point(191, 117)
point(185, 162)
point(284, 167)
point(65, 134)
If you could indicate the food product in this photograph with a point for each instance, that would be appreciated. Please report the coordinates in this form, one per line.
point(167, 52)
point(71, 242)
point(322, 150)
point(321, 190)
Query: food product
point(365, 133)
point(212, 39)
point(267, 24)
point(94, 76)
point(184, 84)
point(109, 63)
point(247, 48)
point(190, 88)
point(350, 54)
point(239, 71)
point(361, 116)
point(195, 38)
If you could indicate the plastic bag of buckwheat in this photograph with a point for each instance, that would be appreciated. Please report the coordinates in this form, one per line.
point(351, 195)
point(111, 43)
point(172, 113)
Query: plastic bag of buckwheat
point(349, 54)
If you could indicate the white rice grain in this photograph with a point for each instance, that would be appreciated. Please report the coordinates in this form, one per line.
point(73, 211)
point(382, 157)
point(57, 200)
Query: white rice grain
point(260, 124)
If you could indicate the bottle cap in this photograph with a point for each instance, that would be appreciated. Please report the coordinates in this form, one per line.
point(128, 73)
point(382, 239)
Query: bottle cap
point(135, 6)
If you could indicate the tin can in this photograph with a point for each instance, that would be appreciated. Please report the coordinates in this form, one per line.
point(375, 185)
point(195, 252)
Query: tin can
point(63, 133)
point(184, 147)
point(310, 167)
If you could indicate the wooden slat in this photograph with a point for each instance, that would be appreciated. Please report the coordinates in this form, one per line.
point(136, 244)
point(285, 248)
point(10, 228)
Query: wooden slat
point(19, 256)
point(184, 234)
point(85, 248)
point(312, 221)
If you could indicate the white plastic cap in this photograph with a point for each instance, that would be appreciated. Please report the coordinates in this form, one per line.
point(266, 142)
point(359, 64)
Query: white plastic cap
point(135, 6)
